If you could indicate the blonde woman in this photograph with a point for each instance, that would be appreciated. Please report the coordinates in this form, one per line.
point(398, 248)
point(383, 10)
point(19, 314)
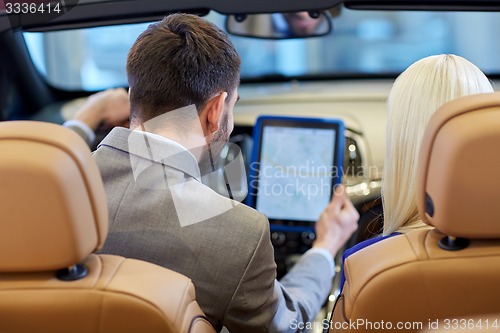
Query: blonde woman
point(416, 94)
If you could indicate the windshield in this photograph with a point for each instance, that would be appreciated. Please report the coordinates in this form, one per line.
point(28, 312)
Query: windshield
point(362, 43)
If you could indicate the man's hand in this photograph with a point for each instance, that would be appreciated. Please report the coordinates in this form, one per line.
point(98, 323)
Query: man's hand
point(107, 108)
point(337, 222)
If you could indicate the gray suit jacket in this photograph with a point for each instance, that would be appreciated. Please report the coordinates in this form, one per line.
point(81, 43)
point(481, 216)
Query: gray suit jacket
point(161, 212)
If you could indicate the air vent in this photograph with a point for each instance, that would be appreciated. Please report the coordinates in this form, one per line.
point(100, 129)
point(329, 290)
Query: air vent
point(353, 160)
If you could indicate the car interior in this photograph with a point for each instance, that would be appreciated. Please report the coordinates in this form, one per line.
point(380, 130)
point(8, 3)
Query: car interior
point(340, 69)
point(51, 273)
point(439, 268)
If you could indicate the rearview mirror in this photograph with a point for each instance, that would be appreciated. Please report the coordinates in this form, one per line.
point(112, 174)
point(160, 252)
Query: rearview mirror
point(280, 25)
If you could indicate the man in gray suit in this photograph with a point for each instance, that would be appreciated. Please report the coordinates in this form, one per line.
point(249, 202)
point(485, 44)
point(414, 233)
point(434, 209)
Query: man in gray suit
point(183, 75)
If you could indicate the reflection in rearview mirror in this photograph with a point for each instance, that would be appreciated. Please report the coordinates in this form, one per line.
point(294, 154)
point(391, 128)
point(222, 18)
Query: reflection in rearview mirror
point(280, 25)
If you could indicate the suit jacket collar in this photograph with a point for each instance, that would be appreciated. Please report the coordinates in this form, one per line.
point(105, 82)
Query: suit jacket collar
point(153, 148)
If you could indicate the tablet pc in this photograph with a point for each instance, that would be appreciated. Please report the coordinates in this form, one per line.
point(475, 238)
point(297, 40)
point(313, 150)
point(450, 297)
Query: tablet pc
point(295, 164)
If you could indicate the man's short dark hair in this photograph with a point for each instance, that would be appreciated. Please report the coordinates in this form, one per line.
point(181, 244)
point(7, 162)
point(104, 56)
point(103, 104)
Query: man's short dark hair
point(180, 61)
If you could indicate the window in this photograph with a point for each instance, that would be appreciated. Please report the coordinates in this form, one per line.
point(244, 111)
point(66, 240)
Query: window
point(362, 42)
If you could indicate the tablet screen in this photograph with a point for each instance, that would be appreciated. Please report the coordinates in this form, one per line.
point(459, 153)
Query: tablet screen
point(295, 164)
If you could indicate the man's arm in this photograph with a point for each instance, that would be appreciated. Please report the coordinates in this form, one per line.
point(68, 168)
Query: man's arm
point(106, 109)
point(254, 303)
point(262, 304)
point(309, 282)
point(265, 305)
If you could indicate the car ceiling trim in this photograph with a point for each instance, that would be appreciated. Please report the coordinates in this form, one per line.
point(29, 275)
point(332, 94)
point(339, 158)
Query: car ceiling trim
point(89, 13)
point(429, 5)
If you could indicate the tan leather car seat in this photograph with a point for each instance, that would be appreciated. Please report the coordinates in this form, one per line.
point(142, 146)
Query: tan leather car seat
point(450, 272)
point(54, 216)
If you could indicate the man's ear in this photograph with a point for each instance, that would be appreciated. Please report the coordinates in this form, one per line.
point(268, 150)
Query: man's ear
point(213, 112)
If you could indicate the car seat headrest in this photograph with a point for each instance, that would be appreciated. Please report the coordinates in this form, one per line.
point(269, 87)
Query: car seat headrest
point(52, 200)
point(458, 182)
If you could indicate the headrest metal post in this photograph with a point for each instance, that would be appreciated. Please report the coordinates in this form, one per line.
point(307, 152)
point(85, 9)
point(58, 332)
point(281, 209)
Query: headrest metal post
point(73, 273)
point(451, 243)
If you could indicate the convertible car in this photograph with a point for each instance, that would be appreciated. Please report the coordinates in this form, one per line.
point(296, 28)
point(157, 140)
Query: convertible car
point(301, 59)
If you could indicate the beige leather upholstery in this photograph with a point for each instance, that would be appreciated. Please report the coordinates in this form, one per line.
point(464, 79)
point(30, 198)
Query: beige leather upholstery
point(410, 280)
point(54, 215)
point(459, 168)
point(47, 174)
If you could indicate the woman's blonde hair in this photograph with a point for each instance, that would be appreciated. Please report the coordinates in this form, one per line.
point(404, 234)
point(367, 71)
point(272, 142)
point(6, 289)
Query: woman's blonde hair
point(416, 94)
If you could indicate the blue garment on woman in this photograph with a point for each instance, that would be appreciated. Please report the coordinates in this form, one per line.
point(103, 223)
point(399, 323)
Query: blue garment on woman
point(358, 247)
